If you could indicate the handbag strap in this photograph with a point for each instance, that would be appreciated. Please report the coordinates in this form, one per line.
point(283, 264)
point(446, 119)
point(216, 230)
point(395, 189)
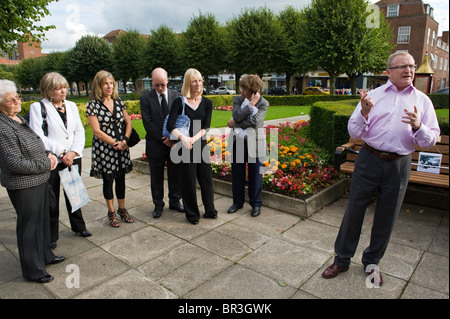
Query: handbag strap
point(44, 118)
point(116, 129)
point(182, 102)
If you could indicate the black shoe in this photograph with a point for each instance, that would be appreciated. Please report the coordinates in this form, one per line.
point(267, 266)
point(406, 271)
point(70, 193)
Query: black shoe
point(43, 279)
point(211, 215)
point(177, 207)
point(234, 208)
point(157, 212)
point(255, 211)
point(85, 233)
point(57, 260)
point(53, 245)
point(193, 221)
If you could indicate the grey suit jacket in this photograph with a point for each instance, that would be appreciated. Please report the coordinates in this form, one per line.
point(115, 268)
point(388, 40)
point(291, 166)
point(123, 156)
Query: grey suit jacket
point(23, 159)
point(254, 126)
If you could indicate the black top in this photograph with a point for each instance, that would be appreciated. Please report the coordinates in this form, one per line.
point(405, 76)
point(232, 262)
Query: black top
point(200, 117)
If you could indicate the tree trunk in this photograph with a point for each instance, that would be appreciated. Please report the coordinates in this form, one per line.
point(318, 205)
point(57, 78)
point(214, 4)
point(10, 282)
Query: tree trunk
point(332, 82)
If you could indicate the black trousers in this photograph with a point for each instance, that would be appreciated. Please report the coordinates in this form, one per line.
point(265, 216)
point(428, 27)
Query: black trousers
point(195, 168)
point(242, 162)
point(77, 223)
point(157, 180)
point(33, 229)
point(390, 180)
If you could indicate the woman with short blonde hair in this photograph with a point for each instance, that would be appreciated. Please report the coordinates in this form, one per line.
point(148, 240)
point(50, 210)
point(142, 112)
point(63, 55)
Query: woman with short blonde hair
point(50, 82)
point(64, 137)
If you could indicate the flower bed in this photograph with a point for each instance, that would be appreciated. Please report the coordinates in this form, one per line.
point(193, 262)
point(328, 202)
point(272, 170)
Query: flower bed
point(300, 171)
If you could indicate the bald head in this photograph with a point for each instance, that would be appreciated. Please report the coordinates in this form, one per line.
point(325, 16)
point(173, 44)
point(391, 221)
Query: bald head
point(159, 80)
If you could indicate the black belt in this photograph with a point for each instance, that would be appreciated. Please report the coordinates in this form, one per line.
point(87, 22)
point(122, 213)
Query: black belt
point(387, 156)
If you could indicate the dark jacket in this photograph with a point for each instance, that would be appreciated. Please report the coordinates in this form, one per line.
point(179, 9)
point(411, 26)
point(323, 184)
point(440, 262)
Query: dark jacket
point(153, 120)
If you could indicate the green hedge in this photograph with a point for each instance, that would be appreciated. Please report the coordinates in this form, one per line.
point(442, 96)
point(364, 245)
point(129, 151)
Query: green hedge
point(440, 101)
point(328, 123)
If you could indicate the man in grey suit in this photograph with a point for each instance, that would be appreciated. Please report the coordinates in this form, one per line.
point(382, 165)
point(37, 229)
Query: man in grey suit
point(155, 105)
point(247, 141)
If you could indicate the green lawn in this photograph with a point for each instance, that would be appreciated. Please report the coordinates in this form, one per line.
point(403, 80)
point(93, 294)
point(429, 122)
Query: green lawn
point(220, 119)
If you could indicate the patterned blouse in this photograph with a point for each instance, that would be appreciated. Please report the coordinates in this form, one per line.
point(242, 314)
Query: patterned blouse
point(105, 159)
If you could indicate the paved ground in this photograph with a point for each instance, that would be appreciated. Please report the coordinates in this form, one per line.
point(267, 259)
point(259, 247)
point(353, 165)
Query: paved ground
point(273, 256)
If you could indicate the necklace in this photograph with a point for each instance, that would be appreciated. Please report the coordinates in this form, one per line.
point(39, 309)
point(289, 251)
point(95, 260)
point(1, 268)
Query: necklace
point(60, 108)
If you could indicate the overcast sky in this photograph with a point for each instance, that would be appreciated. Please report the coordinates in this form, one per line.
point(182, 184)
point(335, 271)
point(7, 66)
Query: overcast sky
point(75, 18)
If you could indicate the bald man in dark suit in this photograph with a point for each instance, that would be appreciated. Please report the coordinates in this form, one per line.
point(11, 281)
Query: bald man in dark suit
point(155, 106)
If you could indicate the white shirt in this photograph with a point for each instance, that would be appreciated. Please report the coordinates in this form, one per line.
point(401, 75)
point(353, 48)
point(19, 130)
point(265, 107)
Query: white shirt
point(242, 132)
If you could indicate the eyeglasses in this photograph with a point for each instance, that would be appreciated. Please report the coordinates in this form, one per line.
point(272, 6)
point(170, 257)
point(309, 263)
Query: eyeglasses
point(13, 100)
point(405, 66)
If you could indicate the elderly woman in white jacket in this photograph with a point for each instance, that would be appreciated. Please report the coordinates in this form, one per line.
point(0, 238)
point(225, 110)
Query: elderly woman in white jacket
point(65, 138)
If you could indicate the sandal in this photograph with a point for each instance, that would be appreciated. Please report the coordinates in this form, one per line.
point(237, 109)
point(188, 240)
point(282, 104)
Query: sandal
point(113, 219)
point(123, 213)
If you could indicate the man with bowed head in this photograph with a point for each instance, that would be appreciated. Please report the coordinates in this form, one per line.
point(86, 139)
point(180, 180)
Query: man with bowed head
point(391, 120)
point(155, 105)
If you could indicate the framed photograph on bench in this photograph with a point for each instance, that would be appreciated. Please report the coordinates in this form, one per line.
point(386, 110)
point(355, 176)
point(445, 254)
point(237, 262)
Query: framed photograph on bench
point(429, 162)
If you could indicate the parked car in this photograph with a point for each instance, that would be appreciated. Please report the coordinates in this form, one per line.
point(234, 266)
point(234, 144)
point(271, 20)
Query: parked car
point(441, 91)
point(222, 90)
point(277, 90)
point(315, 90)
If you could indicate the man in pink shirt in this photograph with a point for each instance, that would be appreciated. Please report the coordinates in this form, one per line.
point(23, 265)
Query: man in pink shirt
point(391, 120)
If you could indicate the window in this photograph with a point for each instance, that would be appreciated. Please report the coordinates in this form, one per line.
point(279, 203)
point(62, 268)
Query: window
point(441, 63)
point(433, 38)
point(445, 64)
point(403, 35)
point(428, 38)
point(435, 59)
point(392, 11)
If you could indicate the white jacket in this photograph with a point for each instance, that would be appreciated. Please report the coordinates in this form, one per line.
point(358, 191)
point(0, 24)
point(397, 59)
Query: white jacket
point(59, 137)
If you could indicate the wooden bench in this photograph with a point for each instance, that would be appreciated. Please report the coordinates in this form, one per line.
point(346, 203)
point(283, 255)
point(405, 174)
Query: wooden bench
point(417, 177)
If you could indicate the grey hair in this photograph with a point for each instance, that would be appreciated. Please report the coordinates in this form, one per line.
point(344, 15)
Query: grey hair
point(6, 86)
point(393, 56)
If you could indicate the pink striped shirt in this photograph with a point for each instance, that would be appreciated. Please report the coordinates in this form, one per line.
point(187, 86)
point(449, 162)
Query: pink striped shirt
point(384, 130)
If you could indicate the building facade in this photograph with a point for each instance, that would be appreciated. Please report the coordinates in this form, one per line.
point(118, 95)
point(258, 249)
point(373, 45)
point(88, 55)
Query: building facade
point(24, 51)
point(415, 31)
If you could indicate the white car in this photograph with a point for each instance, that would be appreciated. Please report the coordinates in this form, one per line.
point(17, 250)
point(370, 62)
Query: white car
point(222, 90)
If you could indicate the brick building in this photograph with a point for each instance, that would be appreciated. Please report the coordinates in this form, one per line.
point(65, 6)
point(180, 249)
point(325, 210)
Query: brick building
point(24, 51)
point(415, 31)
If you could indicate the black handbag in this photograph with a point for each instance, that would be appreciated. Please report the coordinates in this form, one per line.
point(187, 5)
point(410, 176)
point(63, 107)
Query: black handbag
point(134, 137)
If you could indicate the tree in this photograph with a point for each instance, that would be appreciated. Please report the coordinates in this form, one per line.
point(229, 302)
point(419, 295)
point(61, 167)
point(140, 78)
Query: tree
point(374, 50)
point(203, 45)
point(7, 73)
point(52, 62)
point(162, 50)
point(289, 20)
point(17, 22)
point(126, 56)
point(29, 72)
point(332, 35)
point(256, 43)
point(90, 55)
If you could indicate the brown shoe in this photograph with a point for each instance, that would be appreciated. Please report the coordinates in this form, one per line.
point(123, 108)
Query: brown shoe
point(333, 270)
